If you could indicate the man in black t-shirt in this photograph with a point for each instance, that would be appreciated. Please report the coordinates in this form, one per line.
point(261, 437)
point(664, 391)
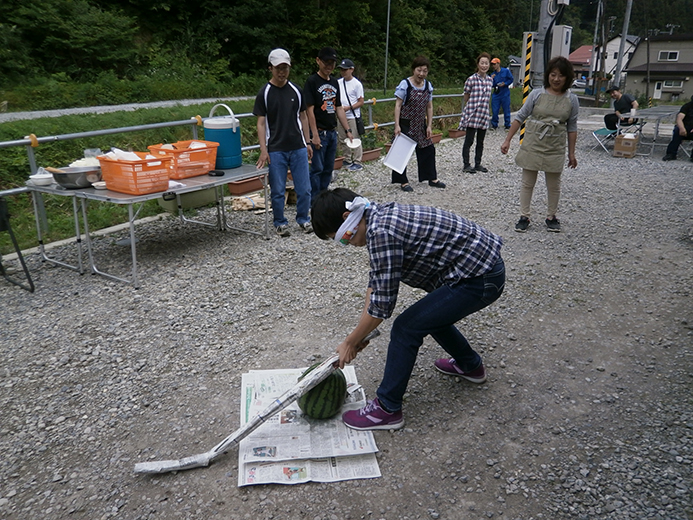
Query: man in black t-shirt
point(324, 106)
point(282, 130)
point(683, 129)
point(623, 104)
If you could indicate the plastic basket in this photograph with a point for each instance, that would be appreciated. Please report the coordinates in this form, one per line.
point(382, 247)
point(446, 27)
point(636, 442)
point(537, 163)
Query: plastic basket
point(188, 162)
point(136, 177)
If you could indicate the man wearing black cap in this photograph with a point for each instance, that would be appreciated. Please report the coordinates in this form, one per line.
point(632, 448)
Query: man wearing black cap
point(351, 91)
point(324, 106)
point(623, 104)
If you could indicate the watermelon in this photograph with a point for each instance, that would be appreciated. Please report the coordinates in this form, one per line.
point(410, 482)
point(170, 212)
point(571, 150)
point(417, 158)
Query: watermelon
point(324, 400)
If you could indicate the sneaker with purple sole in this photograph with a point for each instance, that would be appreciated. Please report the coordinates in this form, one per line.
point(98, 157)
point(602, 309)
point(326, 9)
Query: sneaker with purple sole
point(449, 366)
point(373, 417)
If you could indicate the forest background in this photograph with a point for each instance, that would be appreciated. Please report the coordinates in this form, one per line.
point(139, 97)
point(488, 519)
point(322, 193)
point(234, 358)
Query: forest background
point(69, 53)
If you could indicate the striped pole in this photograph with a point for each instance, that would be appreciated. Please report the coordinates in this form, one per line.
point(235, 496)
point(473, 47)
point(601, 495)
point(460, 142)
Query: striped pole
point(525, 86)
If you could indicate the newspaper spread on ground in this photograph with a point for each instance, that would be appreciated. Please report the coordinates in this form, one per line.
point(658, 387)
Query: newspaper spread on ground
point(291, 448)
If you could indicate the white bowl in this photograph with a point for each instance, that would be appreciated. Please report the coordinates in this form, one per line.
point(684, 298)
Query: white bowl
point(354, 143)
point(41, 179)
point(99, 185)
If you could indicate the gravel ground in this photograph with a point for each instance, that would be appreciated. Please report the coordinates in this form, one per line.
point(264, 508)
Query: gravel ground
point(586, 414)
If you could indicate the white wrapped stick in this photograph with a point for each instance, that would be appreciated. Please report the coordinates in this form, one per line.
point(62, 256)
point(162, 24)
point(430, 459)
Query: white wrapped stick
point(312, 379)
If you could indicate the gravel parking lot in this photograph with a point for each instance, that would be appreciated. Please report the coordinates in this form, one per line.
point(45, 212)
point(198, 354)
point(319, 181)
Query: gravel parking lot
point(587, 412)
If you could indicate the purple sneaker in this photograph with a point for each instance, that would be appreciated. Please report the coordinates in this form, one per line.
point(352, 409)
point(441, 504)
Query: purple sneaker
point(373, 417)
point(449, 367)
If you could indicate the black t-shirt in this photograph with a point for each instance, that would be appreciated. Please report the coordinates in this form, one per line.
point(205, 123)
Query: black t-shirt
point(624, 105)
point(281, 107)
point(323, 95)
point(687, 109)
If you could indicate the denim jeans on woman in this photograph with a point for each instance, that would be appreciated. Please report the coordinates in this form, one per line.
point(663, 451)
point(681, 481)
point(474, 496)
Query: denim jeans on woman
point(436, 314)
point(297, 162)
point(322, 164)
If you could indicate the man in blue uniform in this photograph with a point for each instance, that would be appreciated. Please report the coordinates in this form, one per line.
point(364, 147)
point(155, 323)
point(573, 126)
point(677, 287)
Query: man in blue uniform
point(502, 81)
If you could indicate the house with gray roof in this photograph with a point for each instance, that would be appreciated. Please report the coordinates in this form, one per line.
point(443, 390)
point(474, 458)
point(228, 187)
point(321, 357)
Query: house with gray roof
point(662, 68)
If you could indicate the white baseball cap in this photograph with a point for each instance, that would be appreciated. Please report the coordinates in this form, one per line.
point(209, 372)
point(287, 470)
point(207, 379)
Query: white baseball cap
point(279, 56)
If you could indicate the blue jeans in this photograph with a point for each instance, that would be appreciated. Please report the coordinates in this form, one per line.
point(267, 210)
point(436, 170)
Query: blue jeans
point(436, 314)
point(322, 164)
point(297, 162)
point(498, 101)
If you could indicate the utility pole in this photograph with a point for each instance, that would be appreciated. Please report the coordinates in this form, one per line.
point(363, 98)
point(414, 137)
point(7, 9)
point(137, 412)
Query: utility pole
point(387, 46)
point(622, 46)
point(602, 57)
point(595, 43)
point(647, 80)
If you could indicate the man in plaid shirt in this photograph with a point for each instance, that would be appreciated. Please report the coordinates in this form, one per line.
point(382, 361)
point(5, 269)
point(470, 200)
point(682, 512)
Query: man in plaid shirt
point(457, 262)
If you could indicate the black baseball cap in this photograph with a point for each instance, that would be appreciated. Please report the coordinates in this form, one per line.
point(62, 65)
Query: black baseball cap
point(346, 64)
point(327, 54)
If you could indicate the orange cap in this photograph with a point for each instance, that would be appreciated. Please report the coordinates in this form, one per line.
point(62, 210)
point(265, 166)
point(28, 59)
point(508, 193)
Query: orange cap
point(495, 60)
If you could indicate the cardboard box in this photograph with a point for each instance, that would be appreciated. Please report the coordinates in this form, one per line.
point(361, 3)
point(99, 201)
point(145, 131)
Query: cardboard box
point(626, 145)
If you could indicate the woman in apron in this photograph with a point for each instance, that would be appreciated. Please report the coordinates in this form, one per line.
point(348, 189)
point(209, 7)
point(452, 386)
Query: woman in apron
point(550, 116)
point(413, 117)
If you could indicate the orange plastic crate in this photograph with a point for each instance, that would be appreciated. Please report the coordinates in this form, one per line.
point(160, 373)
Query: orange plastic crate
point(136, 177)
point(188, 162)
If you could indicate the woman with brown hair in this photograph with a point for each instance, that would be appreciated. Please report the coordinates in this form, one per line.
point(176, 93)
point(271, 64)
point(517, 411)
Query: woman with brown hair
point(413, 117)
point(550, 115)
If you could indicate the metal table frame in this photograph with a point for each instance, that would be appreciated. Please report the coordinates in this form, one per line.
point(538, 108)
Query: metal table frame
point(191, 184)
point(657, 114)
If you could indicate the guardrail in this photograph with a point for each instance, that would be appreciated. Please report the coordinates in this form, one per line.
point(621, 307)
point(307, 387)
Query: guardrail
point(30, 142)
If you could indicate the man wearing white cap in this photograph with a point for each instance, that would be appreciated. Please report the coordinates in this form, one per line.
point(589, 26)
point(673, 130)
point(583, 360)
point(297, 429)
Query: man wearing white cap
point(351, 91)
point(282, 130)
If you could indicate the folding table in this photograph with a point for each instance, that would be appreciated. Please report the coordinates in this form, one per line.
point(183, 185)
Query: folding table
point(191, 184)
point(657, 115)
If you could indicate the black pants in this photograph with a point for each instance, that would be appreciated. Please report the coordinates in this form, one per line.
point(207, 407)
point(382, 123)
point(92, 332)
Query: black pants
point(468, 140)
point(611, 121)
point(426, 160)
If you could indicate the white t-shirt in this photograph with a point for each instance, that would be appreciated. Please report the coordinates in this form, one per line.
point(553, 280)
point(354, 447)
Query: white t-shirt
point(354, 90)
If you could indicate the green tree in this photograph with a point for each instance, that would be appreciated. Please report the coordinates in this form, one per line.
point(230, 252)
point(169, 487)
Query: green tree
point(70, 37)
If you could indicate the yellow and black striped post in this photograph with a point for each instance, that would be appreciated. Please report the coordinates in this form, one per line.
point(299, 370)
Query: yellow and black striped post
point(525, 85)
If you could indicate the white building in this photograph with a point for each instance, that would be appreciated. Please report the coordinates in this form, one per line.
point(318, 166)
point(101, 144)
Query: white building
point(611, 58)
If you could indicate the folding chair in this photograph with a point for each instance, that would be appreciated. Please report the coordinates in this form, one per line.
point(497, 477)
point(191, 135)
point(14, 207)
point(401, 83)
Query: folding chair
point(603, 136)
point(5, 226)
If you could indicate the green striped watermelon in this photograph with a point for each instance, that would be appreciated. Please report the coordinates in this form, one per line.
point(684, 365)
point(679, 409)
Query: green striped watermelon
point(324, 400)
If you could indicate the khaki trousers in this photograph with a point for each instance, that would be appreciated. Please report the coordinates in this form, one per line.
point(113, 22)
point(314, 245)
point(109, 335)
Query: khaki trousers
point(553, 191)
point(351, 155)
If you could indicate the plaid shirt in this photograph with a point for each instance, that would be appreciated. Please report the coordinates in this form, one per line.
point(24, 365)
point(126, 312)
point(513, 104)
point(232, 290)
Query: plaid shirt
point(423, 247)
point(476, 111)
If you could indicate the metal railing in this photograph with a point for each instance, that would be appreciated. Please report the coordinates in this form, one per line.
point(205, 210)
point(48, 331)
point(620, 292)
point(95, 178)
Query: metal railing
point(30, 142)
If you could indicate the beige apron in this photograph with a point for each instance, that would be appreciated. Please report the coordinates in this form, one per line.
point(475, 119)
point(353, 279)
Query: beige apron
point(544, 144)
